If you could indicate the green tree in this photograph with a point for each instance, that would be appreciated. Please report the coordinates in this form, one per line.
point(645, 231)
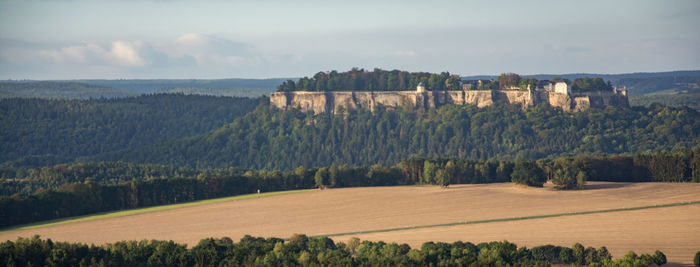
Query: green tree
point(321, 177)
point(442, 178)
point(352, 245)
point(429, 172)
point(567, 175)
point(507, 80)
point(528, 173)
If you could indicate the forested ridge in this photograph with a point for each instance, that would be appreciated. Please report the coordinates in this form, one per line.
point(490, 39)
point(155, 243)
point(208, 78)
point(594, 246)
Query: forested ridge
point(45, 132)
point(269, 138)
point(301, 250)
point(59, 90)
point(220, 132)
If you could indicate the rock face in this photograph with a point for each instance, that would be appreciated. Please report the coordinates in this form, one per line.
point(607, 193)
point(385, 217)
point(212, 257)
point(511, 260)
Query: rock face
point(321, 102)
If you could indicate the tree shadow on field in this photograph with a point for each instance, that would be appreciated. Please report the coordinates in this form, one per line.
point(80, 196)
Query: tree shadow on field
point(598, 186)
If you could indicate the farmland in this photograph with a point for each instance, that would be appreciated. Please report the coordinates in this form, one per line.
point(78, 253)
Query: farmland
point(474, 213)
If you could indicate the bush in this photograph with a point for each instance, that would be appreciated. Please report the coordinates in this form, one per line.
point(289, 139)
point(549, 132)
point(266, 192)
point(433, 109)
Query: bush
point(528, 173)
point(568, 174)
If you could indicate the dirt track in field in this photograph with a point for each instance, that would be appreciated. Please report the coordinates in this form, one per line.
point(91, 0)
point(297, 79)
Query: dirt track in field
point(673, 230)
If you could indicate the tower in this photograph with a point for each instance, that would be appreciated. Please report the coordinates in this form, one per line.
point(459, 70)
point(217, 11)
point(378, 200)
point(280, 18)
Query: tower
point(420, 88)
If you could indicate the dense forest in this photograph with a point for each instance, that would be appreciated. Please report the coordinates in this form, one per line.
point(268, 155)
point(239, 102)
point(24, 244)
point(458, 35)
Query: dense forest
point(45, 132)
point(269, 138)
point(30, 195)
point(301, 250)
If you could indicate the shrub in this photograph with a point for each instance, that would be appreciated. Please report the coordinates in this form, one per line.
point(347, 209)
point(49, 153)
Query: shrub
point(528, 173)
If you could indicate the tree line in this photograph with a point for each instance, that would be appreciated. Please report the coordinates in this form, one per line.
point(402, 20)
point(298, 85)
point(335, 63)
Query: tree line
point(301, 250)
point(376, 80)
point(396, 80)
point(83, 194)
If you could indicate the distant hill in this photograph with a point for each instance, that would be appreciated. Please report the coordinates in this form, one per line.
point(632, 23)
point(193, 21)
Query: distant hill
point(85, 89)
point(675, 100)
point(238, 92)
point(207, 87)
point(59, 90)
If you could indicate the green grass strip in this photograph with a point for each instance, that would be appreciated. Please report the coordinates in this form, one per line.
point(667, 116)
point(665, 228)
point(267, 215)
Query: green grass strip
point(121, 213)
point(512, 219)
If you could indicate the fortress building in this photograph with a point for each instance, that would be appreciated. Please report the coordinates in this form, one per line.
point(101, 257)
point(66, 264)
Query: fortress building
point(557, 94)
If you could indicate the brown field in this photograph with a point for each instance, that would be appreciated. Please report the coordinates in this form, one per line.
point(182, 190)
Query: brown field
point(673, 230)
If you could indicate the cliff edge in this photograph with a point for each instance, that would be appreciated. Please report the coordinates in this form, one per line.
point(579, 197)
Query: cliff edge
point(333, 101)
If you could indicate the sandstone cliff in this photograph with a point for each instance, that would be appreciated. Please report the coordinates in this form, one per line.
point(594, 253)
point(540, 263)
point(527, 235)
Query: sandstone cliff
point(321, 102)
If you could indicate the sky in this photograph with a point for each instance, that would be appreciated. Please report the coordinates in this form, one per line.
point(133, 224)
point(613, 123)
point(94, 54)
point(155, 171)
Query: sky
point(147, 39)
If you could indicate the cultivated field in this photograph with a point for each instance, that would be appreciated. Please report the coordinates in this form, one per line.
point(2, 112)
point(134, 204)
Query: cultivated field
point(376, 213)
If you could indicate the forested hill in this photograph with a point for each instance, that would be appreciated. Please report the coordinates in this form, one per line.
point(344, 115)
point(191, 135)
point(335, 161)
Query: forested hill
point(154, 85)
point(272, 139)
point(59, 90)
point(37, 132)
point(86, 89)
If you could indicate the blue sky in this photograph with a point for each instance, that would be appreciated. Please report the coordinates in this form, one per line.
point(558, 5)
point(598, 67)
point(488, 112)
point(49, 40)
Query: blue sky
point(77, 39)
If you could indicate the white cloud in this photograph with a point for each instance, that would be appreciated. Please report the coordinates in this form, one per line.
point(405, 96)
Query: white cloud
point(190, 54)
point(192, 39)
point(126, 53)
point(118, 53)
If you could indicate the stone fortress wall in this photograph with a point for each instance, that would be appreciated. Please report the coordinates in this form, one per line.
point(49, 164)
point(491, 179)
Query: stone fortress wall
point(333, 101)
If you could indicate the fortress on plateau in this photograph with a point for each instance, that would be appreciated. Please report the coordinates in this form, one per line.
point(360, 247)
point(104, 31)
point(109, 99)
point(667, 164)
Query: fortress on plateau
point(556, 94)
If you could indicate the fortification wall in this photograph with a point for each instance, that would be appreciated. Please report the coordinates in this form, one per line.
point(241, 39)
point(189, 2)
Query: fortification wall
point(321, 102)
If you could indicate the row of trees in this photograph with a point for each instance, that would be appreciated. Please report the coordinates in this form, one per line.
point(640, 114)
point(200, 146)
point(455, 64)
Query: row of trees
point(376, 80)
point(86, 194)
point(395, 80)
point(300, 250)
point(513, 80)
point(588, 84)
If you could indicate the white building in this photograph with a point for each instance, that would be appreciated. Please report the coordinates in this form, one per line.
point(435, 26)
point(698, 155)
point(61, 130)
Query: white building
point(562, 88)
point(420, 88)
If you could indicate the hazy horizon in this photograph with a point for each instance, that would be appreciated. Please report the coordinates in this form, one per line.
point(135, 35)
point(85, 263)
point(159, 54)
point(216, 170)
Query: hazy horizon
point(173, 39)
